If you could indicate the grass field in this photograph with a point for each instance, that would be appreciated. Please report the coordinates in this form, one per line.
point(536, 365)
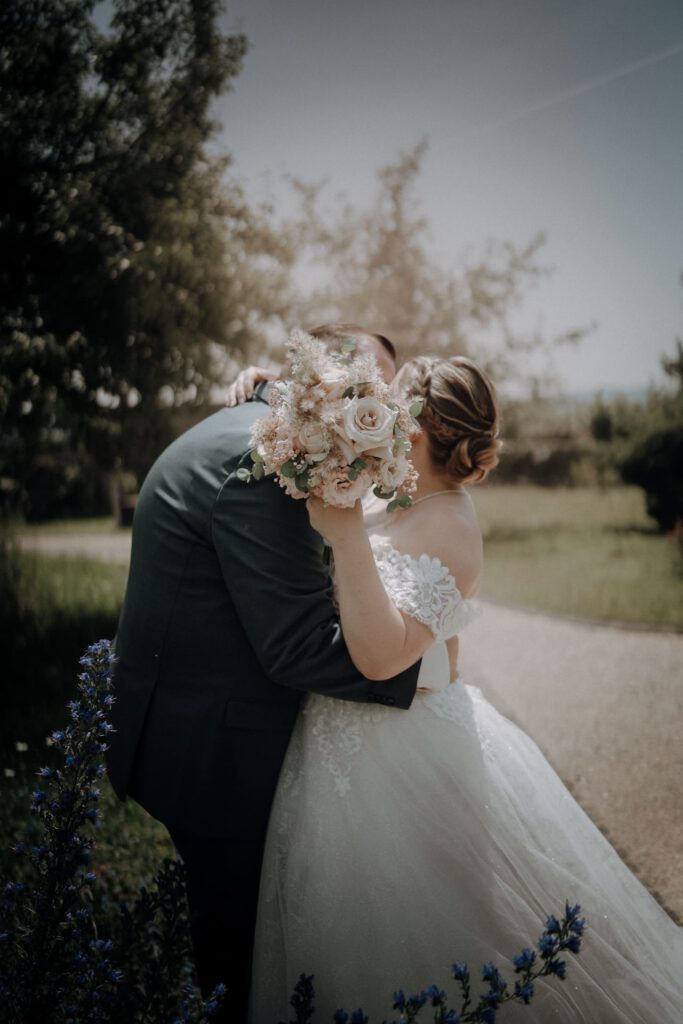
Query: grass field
point(580, 552)
point(55, 527)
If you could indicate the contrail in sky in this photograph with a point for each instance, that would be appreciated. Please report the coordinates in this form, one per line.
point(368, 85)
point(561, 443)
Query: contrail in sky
point(579, 90)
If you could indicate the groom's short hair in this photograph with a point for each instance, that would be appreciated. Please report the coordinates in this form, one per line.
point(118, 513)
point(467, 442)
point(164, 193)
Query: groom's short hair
point(336, 334)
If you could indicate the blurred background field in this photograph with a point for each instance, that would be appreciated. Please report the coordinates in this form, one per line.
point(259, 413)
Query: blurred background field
point(582, 552)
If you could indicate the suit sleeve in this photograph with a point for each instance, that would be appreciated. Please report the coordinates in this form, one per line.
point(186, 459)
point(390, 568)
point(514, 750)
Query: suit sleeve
point(271, 560)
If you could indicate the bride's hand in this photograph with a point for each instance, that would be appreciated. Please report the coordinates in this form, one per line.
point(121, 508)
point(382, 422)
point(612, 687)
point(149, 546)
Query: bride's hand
point(333, 523)
point(242, 389)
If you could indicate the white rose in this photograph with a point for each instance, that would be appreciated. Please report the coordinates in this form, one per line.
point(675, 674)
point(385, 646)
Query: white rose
point(391, 473)
point(313, 440)
point(368, 426)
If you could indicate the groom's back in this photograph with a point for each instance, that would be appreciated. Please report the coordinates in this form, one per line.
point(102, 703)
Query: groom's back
point(176, 599)
point(187, 678)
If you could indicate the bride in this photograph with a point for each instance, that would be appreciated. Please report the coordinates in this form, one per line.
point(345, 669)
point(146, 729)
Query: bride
point(399, 843)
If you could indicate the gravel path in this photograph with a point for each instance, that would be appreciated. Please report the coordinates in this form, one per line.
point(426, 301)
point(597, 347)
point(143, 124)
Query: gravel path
point(604, 704)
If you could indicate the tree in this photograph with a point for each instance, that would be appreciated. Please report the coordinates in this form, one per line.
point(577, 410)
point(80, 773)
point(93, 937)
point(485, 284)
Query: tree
point(128, 267)
point(378, 271)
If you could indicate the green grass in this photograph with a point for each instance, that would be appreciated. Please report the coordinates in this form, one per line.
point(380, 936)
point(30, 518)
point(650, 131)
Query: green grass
point(58, 527)
point(579, 552)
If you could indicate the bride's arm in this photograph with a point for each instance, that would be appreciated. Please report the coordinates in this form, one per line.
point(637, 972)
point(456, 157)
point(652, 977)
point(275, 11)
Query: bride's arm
point(381, 639)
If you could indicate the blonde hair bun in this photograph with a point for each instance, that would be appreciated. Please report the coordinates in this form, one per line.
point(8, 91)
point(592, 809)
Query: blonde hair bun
point(459, 414)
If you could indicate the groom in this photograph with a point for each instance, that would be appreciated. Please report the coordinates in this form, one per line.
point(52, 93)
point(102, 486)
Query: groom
point(227, 622)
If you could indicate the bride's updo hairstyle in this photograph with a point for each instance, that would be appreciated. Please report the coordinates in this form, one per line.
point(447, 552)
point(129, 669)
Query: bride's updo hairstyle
point(459, 414)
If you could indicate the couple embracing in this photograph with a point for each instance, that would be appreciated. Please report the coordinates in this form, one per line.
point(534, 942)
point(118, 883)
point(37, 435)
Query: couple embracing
point(344, 804)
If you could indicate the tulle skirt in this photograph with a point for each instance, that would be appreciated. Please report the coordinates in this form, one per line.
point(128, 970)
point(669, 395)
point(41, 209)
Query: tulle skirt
point(401, 842)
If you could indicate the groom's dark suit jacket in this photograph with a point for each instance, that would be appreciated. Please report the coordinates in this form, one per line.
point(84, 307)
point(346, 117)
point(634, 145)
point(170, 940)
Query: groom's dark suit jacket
point(227, 621)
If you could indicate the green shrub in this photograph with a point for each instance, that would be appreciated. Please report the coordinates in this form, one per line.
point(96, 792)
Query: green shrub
point(656, 465)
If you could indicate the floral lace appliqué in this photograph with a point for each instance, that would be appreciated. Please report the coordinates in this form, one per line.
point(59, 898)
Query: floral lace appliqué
point(337, 727)
point(424, 588)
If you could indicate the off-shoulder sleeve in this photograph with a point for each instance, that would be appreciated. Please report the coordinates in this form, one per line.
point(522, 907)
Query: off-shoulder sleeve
point(425, 589)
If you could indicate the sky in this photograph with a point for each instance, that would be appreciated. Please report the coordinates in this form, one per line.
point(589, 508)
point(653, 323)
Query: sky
point(561, 116)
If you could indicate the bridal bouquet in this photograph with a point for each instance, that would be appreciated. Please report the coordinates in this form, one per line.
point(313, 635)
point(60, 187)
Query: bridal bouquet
point(335, 429)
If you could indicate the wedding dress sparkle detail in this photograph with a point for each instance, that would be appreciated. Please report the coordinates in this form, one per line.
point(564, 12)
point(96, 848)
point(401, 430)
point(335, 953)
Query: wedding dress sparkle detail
point(400, 842)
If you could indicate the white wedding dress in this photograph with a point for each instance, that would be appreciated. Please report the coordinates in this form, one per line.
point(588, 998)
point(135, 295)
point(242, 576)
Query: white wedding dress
point(400, 842)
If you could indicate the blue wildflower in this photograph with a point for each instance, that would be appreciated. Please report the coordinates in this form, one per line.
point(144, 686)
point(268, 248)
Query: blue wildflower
point(358, 1017)
point(417, 1001)
point(490, 972)
point(558, 968)
point(452, 1017)
point(461, 972)
point(547, 945)
point(399, 1000)
point(524, 992)
point(573, 944)
point(552, 925)
point(340, 1017)
point(436, 995)
point(525, 961)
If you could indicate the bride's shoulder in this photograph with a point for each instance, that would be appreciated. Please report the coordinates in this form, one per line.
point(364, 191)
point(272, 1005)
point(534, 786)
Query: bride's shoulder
point(452, 535)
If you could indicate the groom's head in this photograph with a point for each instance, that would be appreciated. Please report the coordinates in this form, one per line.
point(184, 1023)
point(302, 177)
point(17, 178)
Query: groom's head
point(334, 336)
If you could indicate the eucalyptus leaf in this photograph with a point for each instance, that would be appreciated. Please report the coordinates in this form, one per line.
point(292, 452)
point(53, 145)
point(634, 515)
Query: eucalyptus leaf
point(258, 471)
point(303, 481)
point(243, 474)
point(353, 473)
point(349, 345)
point(288, 469)
point(384, 495)
point(416, 408)
point(256, 455)
point(350, 392)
